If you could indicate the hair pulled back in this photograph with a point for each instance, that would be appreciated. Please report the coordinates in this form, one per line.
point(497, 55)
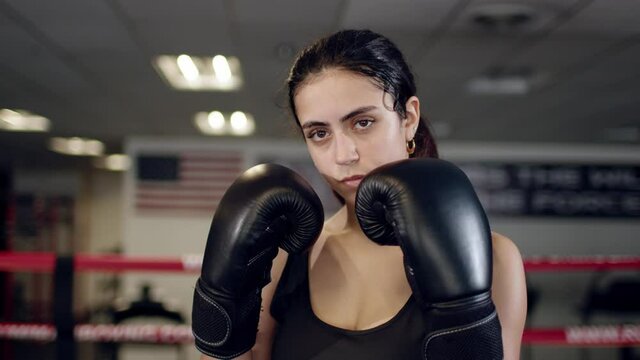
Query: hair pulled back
point(369, 54)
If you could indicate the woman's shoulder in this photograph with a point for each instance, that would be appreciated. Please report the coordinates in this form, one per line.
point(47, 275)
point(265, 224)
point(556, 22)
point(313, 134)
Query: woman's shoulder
point(507, 259)
point(509, 293)
point(504, 248)
point(508, 267)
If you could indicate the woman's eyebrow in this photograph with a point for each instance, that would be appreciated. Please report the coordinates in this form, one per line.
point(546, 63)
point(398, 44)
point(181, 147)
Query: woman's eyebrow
point(357, 112)
point(348, 116)
point(313, 123)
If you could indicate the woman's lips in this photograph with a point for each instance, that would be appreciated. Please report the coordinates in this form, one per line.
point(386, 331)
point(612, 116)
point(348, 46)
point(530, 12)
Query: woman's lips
point(352, 181)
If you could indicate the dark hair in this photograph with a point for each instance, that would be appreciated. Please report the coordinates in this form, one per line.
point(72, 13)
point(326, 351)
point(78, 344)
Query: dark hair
point(371, 55)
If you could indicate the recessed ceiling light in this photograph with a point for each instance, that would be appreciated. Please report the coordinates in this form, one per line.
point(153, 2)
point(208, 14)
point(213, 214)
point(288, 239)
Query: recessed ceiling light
point(188, 69)
point(215, 120)
point(184, 72)
point(512, 85)
point(113, 162)
point(21, 120)
point(500, 80)
point(76, 146)
point(212, 123)
point(216, 123)
point(221, 69)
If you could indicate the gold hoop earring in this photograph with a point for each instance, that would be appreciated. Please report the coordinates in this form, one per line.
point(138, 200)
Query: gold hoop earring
point(411, 146)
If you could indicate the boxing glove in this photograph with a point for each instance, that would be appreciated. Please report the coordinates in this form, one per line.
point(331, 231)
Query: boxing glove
point(429, 208)
point(267, 207)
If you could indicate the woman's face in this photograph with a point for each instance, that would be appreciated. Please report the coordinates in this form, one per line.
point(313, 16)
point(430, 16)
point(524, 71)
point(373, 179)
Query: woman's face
point(350, 127)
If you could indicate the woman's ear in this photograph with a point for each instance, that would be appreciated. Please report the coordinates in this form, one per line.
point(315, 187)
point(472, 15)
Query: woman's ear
point(412, 117)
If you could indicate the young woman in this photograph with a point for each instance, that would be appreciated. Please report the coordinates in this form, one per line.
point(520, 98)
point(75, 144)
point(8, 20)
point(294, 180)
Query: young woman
point(354, 99)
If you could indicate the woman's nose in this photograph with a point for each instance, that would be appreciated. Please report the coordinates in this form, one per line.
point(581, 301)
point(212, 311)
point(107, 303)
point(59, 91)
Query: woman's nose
point(346, 150)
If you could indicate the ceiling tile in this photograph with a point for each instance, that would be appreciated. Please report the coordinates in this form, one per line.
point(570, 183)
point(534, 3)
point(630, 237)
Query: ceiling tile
point(606, 17)
point(198, 27)
point(390, 15)
point(288, 13)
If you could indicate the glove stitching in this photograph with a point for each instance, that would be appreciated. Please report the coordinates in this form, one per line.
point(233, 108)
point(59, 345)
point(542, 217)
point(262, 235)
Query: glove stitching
point(222, 310)
point(447, 332)
point(253, 259)
point(224, 357)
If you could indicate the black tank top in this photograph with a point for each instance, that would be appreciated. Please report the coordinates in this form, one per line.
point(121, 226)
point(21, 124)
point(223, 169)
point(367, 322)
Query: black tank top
point(301, 335)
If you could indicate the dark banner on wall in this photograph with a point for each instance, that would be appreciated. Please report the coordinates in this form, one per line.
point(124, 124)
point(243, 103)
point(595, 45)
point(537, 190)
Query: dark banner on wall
point(566, 190)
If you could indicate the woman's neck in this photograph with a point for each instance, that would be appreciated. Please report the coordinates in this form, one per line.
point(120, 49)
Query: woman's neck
point(344, 228)
point(344, 220)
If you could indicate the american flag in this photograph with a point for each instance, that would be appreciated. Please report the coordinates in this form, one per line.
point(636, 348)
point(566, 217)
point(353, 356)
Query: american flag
point(187, 181)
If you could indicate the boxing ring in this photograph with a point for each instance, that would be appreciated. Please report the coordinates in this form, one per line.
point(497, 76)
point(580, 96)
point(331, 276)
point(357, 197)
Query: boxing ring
point(573, 336)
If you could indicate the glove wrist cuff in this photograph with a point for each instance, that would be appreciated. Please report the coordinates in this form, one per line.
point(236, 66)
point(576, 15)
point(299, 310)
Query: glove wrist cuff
point(482, 299)
point(223, 328)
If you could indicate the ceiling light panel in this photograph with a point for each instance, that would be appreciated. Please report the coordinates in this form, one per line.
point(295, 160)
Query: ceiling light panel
point(21, 120)
point(500, 80)
point(113, 162)
point(237, 123)
point(76, 146)
point(191, 73)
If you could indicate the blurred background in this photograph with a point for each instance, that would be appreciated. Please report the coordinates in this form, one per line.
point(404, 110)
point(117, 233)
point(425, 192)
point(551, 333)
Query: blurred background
point(123, 121)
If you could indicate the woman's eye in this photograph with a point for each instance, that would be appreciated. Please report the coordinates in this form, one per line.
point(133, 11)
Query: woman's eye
point(363, 123)
point(317, 134)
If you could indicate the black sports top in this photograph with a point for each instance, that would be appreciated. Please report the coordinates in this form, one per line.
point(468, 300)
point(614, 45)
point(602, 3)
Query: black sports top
point(301, 335)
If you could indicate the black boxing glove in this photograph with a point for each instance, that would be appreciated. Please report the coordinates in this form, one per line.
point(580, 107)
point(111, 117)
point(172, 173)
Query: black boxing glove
point(430, 209)
point(266, 207)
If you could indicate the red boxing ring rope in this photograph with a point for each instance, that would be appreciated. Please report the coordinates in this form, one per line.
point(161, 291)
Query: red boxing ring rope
point(613, 335)
point(158, 334)
point(44, 262)
point(592, 336)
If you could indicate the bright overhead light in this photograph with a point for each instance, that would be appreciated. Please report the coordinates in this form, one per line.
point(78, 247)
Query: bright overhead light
point(216, 120)
point(113, 162)
point(221, 68)
point(184, 72)
point(187, 67)
point(212, 123)
point(76, 146)
point(216, 123)
point(93, 147)
point(238, 120)
point(241, 124)
point(21, 120)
